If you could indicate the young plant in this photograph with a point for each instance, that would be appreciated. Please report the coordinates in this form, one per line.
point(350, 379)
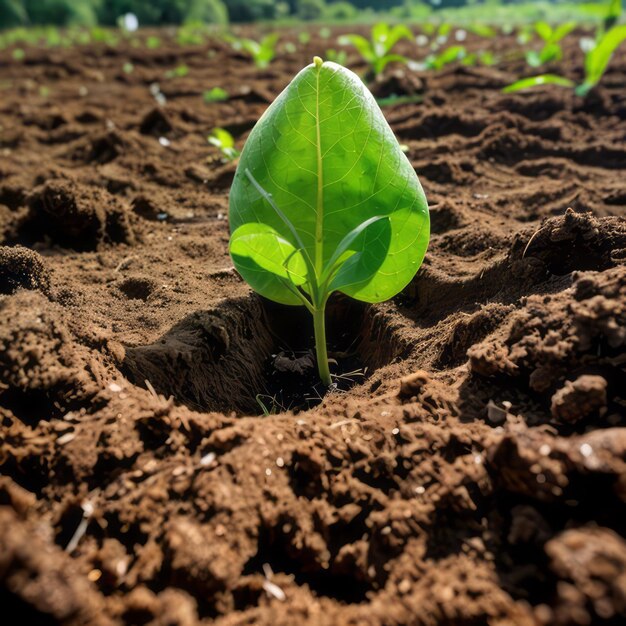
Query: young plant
point(217, 94)
point(262, 52)
point(596, 61)
point(377, 50)
point(445, 57)
point(222, 139)
point(551, 37)
point(324, 200)
point(179, 71)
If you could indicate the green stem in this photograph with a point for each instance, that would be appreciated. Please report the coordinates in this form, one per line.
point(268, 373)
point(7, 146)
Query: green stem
point(319, 323)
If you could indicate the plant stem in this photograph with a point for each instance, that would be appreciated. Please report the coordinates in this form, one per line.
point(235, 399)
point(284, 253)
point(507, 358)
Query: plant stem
point(319, 324)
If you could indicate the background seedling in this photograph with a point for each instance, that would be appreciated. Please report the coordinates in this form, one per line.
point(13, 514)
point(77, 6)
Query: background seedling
point(596, 62)
point(377, 50)
point(225, 142)
point(324, 200)
point(262, 52)
point(551, 37)
point(178, 72)
point(217, 94)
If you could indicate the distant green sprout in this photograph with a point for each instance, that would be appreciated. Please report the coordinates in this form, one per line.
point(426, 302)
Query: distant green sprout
point(551, 37)
point(178, 72)
point(262, 52)
point(484, 57)
point(153, 42)
point(189, 35)
point(596, 62)
point(217, 94)
point(102, 35)
point(447, 56)
point(225, 142)
point(536, 81)
point(18, 54)
point(335, 206)
point(128, 68)
point(482, 30)
point(304, 37)
point(337, 56)
point(377, 50)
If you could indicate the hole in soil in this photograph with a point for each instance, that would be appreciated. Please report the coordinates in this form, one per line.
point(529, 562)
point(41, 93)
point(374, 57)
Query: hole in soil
point(344, 586)
point(13, 604)
point(250, 355)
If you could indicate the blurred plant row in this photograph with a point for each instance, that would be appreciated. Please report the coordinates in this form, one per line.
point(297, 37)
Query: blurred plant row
point(156, 12)
point(434, 46)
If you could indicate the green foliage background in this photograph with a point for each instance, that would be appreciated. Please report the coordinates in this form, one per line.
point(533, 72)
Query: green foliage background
point(155, 12)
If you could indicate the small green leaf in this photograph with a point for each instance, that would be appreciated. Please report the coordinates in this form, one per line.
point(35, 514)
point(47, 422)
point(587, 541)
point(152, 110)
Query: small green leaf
point(598, 59)
point(356, 272)
point(482, 30)
point(361, 44)
point(398, 32)
point(221, 138)
point(266, 260)
point(550, 52)
point(544, 30)
point(217, 94)
point(536, 81)
point(562, 31)
point(349, 243)
point(449, 55)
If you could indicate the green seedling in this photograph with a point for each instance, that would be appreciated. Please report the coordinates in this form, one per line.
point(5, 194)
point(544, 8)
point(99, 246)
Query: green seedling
point(337, 56)
point(153, 42)
point(178, 72)
point(324, 200)
point(190, 35)
point(18, 54)
point(262, 52)
point(596, 62)
point(482, 30)
point(128, 68)
point(225, 142)
point(445, 57)
point(484, 57)
point(217, 94)
point(377, 51)
point(551, 37)
point(597, 59)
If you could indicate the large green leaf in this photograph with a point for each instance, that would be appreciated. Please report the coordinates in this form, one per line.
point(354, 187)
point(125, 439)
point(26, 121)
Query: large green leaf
point(325, 153)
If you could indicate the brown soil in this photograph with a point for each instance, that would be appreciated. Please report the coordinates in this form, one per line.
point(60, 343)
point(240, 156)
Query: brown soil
point(477, 475)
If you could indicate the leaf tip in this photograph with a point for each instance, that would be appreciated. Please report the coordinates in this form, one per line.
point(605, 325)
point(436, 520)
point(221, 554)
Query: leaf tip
point(317, 61)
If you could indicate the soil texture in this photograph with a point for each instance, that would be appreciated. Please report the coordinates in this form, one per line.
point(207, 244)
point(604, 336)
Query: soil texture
point(153, 472)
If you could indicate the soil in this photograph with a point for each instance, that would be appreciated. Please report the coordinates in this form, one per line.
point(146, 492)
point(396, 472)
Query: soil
point(476, 473)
